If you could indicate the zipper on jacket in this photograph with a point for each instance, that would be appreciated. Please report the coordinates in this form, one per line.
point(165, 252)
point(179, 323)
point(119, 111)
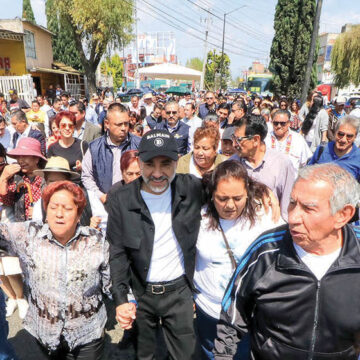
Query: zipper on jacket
point(316, 318)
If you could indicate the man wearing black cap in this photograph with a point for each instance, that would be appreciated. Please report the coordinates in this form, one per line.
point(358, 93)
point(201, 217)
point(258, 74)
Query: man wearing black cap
point(152, 229)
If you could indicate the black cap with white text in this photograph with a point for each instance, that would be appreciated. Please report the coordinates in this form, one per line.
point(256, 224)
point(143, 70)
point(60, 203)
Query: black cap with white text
point(158, 143)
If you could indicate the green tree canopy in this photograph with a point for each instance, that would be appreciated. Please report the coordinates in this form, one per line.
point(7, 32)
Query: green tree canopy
point(27, 12)
point(293, 26)
point(195, 63)
point(63, 43)
point(213, 70)
point(96, 26)
point(113, 67)
point(345, 58)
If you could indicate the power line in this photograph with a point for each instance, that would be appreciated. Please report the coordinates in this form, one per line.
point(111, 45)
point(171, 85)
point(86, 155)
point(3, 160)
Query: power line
point(162, 13)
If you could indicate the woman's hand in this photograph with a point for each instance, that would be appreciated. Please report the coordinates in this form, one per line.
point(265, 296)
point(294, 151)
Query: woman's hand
point(10, 171)
point(125, 315)
point(78, 166)
point(95, 222)
point(271, 201)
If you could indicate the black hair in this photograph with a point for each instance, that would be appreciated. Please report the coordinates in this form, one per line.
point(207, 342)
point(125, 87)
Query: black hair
point(224, 106)
point(280, 111)
point(310, 117)
point(255, 125)
point(80, 105)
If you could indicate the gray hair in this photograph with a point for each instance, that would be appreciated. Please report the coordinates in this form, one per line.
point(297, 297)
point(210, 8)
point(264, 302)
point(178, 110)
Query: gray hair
point(211, 118)
point(348, 120)
point(265, 112)
point(346, 190)
point(171, 103)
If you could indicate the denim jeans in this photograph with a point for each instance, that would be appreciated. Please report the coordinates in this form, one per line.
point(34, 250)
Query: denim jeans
point(6, 350)
point(206, 331)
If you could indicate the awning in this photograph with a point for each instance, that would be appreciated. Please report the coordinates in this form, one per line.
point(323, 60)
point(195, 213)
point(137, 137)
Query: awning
point(54, 71)
point(171, 72)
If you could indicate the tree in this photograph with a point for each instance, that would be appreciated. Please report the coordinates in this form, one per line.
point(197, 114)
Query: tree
point(345, 59)
point(96, 26)
point(27, 12)
point(113, 67)
point(293, 26)
point(213, 70)
point(194, 63)
point(63, 44)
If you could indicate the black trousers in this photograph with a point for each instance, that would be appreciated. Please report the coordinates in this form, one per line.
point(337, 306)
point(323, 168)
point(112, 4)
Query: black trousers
point(173, 310)
point(91, 351)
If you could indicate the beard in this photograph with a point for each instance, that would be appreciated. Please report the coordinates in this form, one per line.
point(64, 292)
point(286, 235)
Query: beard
point(157, 189)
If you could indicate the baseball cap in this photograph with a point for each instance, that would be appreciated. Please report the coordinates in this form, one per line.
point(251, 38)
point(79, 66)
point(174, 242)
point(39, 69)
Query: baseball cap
point(341, 100)
point(158, 143)
point(12, 91)
point(228, 133)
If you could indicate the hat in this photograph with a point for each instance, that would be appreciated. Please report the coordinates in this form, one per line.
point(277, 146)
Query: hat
point(27, 146)
point(158, 143)
point(340, 100)
point(58, 164)
point(95, 97)
point(12, 91)
point(228, 133)
point(147, 96)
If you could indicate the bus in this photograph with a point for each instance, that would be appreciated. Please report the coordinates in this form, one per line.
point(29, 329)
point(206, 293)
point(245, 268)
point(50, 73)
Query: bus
point(260, 84)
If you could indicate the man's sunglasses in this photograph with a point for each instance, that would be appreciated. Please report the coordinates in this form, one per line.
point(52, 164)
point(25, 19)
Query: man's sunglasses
point(341, 134)
point(241, 138)
point(281, 123)
point(171, 112)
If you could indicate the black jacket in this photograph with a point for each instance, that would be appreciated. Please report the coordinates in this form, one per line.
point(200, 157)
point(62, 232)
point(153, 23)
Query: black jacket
point(130, 231)
point(289, 313)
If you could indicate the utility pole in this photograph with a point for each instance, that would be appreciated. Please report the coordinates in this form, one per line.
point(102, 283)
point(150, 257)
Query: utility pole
point(223, 45)
point(207, 20)
point(314, 36)
point(137, 78)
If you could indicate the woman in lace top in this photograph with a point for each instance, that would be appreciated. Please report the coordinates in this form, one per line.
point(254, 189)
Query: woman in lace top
point(66, 271)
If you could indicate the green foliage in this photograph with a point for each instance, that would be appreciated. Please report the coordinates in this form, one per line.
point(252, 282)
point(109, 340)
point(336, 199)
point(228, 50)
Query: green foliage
point(27, 12)
point(96, 26)
point(293, 26)
point(213, 69)
point(195, 63)
point(113, 67)
point(63, 43)
point(345, 58)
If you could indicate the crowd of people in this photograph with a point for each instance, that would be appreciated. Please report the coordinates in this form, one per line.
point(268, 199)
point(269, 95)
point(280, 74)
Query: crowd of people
point(221, 224)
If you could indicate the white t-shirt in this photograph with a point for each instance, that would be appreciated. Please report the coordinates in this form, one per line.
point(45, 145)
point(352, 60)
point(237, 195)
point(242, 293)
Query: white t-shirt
point(299, 150)
point(192, 168)
point(167, 259)
point(213, 268)
point(318, 264)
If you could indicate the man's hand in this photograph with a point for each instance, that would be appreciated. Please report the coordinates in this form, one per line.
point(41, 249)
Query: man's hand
point(271, 201)
point(103, 198)
point(95, 222)
point(78, 166)
point(125, 315)
point(34, 127)
point(10, 171)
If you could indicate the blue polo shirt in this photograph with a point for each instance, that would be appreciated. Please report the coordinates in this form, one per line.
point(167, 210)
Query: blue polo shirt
point(350, 161)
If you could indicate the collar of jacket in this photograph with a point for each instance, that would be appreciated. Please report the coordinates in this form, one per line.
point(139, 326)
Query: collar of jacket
point(124, 143)
point(348, 258)
point(136, 202)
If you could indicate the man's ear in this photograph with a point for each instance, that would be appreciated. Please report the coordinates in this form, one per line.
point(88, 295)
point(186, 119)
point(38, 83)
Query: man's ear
point(343, 216)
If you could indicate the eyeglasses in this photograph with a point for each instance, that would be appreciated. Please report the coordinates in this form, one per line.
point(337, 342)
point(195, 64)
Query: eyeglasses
point(209, 98)
point(65, 126)
point(341, 134)
point(281, 123)
point(171, 112)
point(241, 138)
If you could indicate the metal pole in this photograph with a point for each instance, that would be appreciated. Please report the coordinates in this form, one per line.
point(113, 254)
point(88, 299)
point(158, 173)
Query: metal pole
point(137, 79)
point(205, 53)
point(314, 36)
point(222, 54)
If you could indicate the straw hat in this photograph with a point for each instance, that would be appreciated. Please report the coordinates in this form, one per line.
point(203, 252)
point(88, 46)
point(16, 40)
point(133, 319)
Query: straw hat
point(27, 146)
point(58, 164)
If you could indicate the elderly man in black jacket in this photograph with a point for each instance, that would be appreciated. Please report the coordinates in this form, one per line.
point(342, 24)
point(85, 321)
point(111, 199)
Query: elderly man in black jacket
point(152, 229)
point(296, 290)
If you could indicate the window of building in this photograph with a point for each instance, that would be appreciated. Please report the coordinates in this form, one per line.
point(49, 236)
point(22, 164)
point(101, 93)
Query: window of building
point(30, 50)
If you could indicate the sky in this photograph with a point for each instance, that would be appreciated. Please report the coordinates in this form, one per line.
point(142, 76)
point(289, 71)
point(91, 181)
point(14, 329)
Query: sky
point(248, 30)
